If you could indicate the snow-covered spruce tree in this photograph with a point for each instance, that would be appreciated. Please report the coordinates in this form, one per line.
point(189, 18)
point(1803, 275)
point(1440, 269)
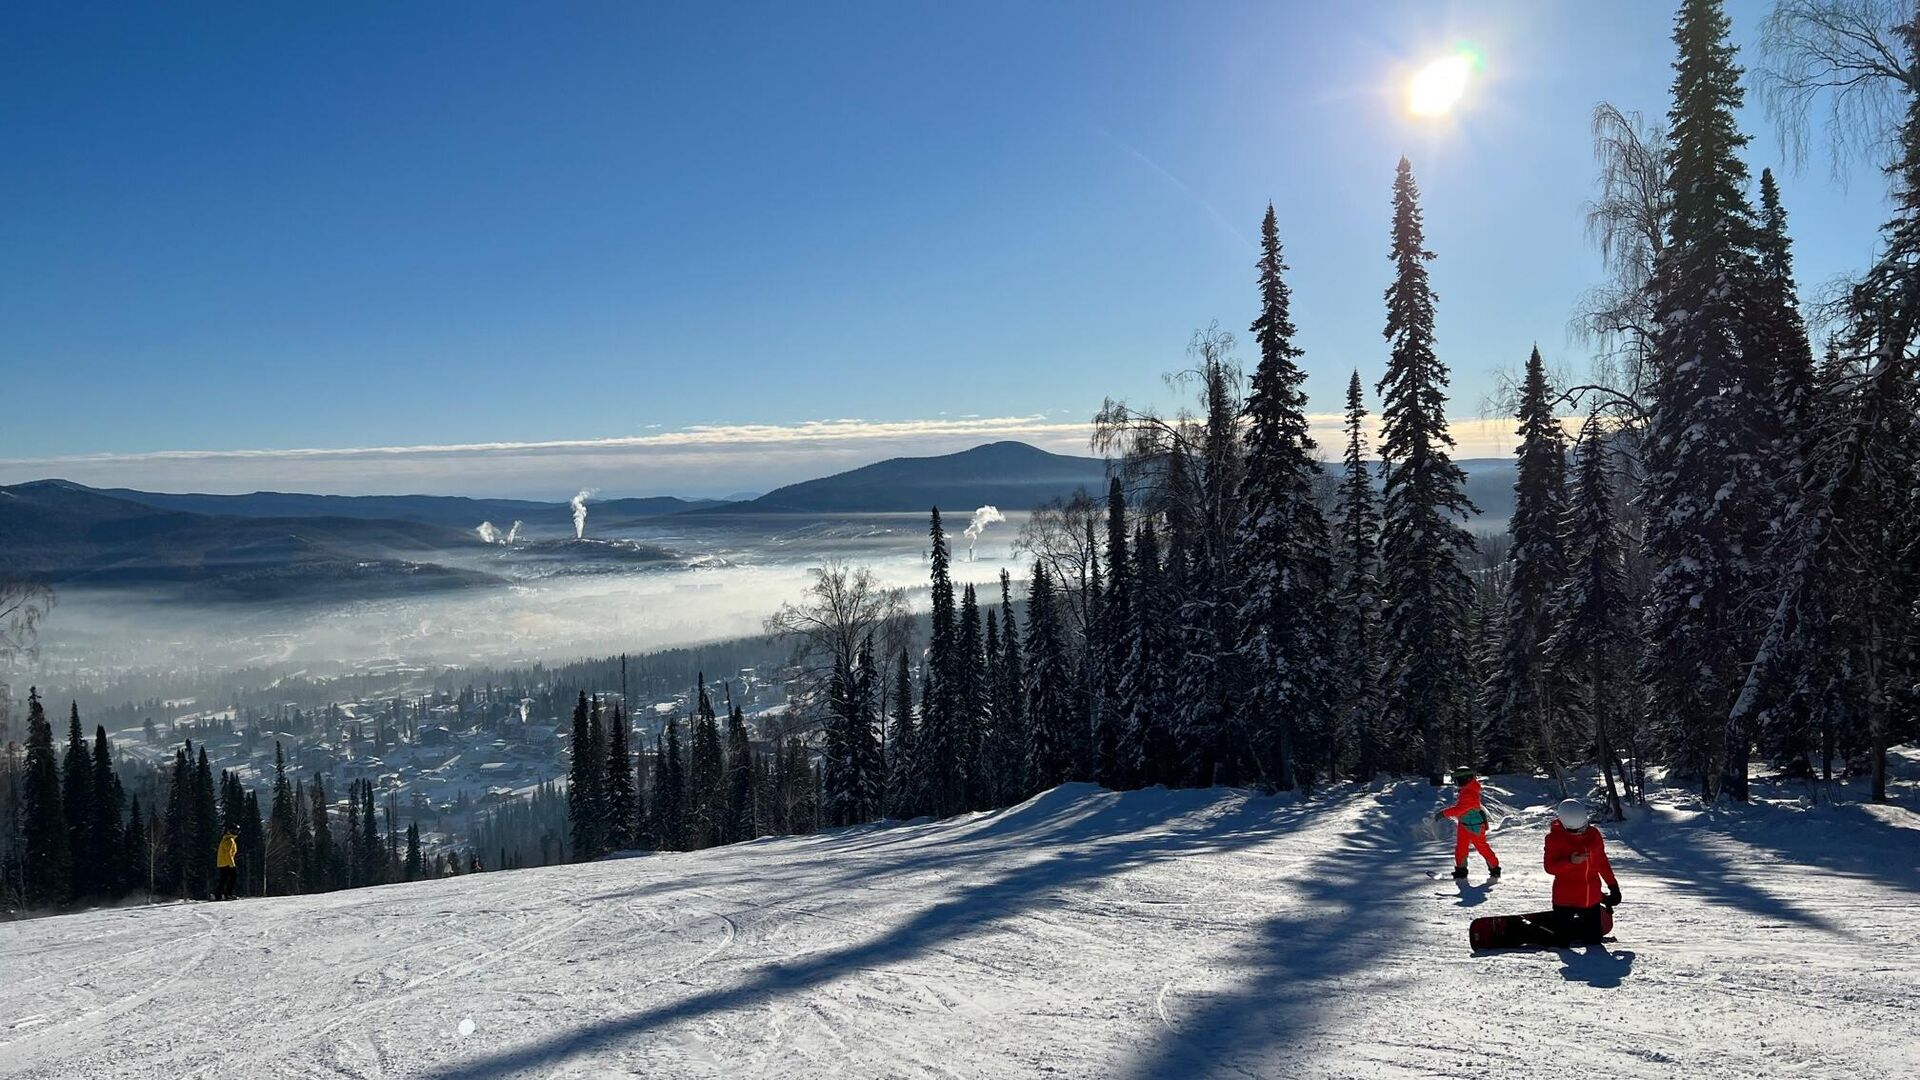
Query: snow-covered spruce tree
point(1704, 451)
point(740, 824)
point(836, 755)
point(1851, 535)
point(583, 812)
point(1281, 552)
point(1592, 616)
point(413, 865)
point(969, 700)
point(206, 827)
point(705, 766)
point(622, 801)
point(863, 737)
point(664, 791)
point(1051, 680)
point(1111, 765)
point(1149, 744)
point(901, 744)
point(939, 742)
point(1779, 333)
point(1357, 612)
point(76, 798)
point(1427, 593)
point(325, 863)
point(1094, 753)
point(1523, 699)
point(48, 860)
point(1007, 750)
point(283, 869)
point(373, 854)
point(105, 831)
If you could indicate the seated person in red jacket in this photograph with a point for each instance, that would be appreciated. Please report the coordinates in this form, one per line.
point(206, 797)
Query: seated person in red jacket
point(1471, 825)
point(1577, 859)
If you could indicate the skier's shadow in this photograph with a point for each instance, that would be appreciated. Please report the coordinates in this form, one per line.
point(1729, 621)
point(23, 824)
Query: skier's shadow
point(1472, 895)
point(1596, 965)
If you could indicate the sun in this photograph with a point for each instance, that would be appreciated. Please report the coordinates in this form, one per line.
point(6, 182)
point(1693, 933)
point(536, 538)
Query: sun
point(1436, 88)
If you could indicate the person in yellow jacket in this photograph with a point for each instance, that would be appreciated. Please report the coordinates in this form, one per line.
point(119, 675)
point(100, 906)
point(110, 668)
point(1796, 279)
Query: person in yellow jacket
point(228, 885)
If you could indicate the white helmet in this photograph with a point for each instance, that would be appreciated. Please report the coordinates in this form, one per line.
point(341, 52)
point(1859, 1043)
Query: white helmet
point(1573, 814)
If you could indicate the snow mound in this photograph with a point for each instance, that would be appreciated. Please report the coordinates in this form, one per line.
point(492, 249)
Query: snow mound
point(1082, 933)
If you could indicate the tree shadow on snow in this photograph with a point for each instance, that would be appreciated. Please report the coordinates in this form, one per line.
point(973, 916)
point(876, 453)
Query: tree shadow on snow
point(1596, 965)
point(1112, 836)
point(1307, 962)
point(1850, 839)
point(1678, 852)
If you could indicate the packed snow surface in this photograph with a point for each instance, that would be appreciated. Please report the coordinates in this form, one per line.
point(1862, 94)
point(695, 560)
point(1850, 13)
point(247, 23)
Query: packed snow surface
point(1084, 933)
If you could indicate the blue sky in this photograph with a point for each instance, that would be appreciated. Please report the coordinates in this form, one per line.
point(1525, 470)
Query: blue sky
point(228, 231)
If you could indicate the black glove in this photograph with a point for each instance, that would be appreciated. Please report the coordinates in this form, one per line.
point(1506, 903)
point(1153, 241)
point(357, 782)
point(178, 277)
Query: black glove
point(1613, 896)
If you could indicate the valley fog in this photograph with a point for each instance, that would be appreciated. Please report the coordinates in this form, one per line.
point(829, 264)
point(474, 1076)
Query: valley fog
point(720, 578)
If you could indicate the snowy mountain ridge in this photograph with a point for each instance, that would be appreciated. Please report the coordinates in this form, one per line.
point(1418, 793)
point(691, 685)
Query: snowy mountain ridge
point(1083, 933)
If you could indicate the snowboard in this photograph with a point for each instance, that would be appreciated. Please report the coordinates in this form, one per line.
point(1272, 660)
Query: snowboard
point(1537, 930)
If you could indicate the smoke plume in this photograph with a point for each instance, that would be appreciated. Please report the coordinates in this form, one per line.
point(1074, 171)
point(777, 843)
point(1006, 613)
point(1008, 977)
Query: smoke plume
point(983, 517)
point(579, 504)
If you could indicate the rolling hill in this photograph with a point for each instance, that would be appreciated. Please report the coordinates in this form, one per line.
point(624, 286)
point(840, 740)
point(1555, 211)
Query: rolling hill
point(68, 534)
point(1010, 475)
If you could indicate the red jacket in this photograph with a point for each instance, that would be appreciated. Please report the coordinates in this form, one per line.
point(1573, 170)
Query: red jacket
point(1577, 884)
point(1466, 809)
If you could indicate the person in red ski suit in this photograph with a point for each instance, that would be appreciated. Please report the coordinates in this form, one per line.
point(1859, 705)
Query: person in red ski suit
point(1471, 825)
point(1576, 856)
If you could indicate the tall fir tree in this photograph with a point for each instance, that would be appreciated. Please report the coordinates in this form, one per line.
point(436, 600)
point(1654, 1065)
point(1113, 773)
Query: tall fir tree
point(322, 870)
point(1051, 682)
point(1704, 477)
point(622, 800)
point(902, 742)
point(1148, 747)
point(206, 828)
point(1592, 615)
point(583, 802)
point(414, 866)
point(706, 797)
point(1523, 700)
point(48, 861)
point(105, 831)
point(740, 824)
point(1282, 547)
point(1426, 591)
point(939, 743)
point(177, 827)
point(1357, 641)
point(1111, 766)
point(670, 791)
point(283, 857)
point(969, 699)
point(134, 850)
point(76, 795)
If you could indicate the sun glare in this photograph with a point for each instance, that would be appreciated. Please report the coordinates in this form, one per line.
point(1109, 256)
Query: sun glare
point(1436, 88)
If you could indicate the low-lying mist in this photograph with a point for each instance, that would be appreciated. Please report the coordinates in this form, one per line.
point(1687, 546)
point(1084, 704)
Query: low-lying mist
point(727, 576)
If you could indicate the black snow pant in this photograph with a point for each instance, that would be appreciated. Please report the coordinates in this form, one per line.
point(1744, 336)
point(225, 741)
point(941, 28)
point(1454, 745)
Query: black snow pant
point(229, 883)
point(1578, 925)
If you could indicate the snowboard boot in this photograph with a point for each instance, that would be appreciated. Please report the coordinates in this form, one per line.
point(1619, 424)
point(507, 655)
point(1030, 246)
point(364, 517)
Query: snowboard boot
point(1460, 872)
point(1493, 873)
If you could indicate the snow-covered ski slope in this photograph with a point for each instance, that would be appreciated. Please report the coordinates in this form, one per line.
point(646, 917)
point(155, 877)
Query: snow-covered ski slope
point(1085, 933)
